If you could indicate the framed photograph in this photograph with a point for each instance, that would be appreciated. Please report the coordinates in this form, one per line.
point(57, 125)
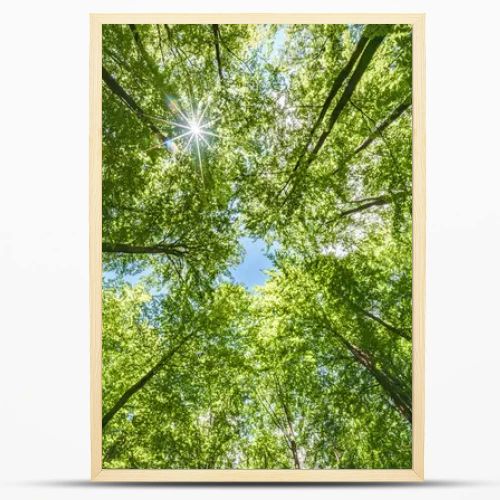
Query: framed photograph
point(257, 247)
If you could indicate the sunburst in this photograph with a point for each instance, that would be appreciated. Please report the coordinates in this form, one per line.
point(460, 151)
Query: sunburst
point(195, 129)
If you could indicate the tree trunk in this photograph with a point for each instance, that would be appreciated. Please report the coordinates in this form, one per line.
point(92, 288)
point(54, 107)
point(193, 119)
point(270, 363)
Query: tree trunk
point(398, 331)
point(140, 46)
point(215, 29)
point(289, 430)
point(293, 447)
point(396, 113)
point(392, 387)
point(337, 84)
point(120, 92)
point(142, 382)
point(383, 200)
point(361, 67)
point(364, 61)
point(176, 250)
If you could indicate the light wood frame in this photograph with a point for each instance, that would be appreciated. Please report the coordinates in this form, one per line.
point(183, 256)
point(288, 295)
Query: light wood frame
point(219, 475)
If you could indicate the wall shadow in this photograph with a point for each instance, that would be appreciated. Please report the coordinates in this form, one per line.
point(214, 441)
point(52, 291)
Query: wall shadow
point(429, 484)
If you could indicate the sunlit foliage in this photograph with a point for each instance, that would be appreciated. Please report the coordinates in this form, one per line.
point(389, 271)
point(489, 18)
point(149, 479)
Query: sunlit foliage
point(299, 135)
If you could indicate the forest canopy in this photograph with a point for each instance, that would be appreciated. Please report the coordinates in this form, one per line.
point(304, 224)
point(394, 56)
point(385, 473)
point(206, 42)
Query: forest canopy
point(295, 136)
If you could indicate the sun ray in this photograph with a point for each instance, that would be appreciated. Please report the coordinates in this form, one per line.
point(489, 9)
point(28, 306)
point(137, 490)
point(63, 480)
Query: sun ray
point(202, 115)
point(199, 156)
point(183, 115)
point(182, 135)
point(205, 141)
point(181, 112)
point(192, 109)
point(177, 109)
point(207, 132)
point(189, 142)
point(181, 125)
point(211, 122)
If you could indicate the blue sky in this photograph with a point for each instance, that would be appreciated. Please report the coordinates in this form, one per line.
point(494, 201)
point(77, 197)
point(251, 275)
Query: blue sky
point(250, 271)
point(278, 42)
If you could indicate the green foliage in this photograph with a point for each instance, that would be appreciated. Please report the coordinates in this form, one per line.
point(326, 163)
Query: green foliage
point(313, 369)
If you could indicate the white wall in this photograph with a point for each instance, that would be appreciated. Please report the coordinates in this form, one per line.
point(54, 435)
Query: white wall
point(44, 361)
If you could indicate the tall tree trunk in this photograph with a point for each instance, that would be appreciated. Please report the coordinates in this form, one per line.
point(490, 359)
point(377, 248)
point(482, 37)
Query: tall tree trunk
point(127, 99)
point(398, 331)
point(376, 202)
point(142, 382)
point(337, 84)
point(293, 442)
point(177, 250)
point(144, 54)
point(384, 199)
point(392, 387)
point(395, 114)
point(216, 31)
point(293, 447)
point(288, 429)
point(362, 65)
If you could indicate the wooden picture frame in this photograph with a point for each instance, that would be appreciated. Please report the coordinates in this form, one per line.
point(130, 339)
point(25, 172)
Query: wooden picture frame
point(416, 473)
